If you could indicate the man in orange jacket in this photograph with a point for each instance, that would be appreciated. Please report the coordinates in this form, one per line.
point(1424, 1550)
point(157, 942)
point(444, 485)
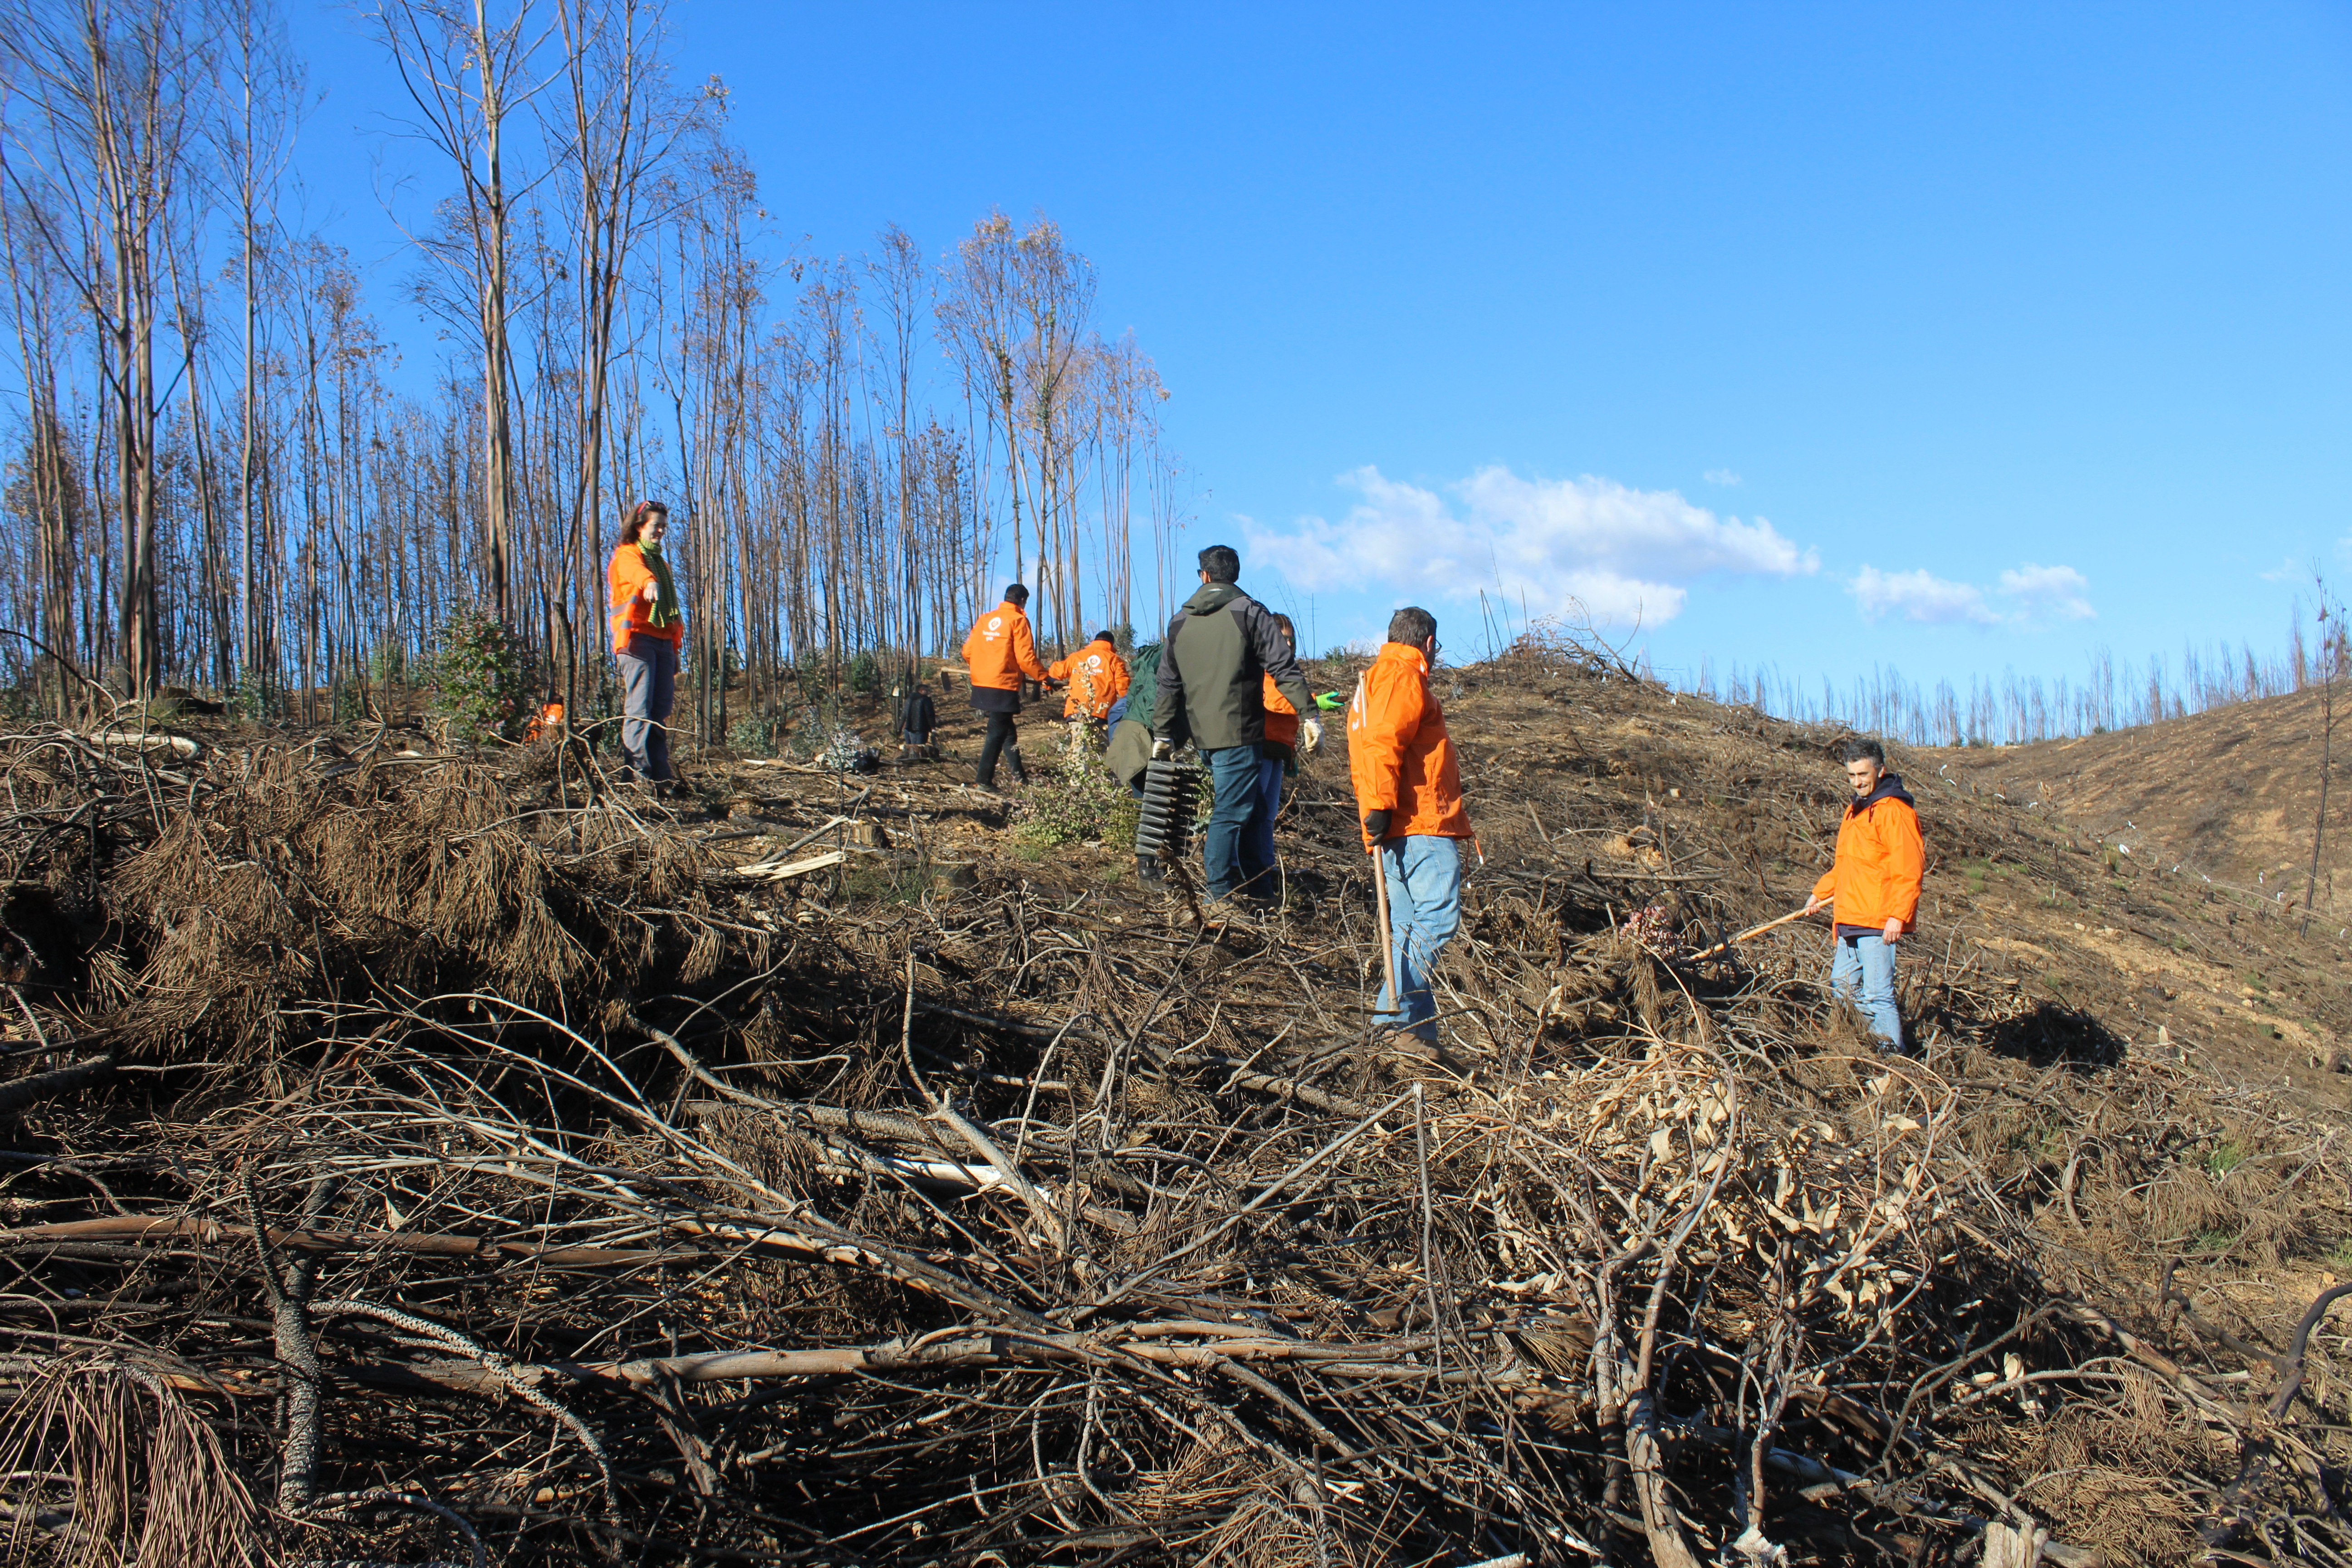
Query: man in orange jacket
point(998, 652)
point(1408, 792)
point(1097, 677)
point(1872, 886)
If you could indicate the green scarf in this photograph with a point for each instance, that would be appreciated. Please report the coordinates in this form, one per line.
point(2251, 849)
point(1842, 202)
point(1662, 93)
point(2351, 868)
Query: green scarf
point(664, 611)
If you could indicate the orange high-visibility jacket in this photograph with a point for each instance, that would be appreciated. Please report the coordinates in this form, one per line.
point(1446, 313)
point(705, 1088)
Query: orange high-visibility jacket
point(624, 594)
point(1281, 718)
point(1097, 679)
point(1880, 859)
point(1000, 650)
point(1399, 752)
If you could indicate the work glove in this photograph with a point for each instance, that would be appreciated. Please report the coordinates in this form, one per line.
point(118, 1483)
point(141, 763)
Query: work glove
point(1330, 702)
point(1162, 748)
point(1376, 826)
point(1311, 732)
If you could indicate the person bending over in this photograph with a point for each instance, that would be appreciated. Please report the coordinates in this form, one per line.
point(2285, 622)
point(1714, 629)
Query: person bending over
point(1098, 679)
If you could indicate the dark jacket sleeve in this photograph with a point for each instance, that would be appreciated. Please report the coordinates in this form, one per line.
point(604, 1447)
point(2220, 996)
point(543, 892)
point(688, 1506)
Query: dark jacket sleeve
point(1168, 702)
point(1274, 653)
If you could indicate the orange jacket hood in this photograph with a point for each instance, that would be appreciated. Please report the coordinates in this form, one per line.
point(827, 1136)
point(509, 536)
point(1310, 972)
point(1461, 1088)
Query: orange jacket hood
point(1097, 679)
point(1398, 754)
point(625, 577)
point(1880, 860)
point(1000, 649)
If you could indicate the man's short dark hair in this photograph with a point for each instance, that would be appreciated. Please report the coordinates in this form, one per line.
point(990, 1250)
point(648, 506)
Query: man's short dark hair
point(1863, 749)
point(1102, 636)
point(1223, 563)
point(1412, 625)
point(1016, 595)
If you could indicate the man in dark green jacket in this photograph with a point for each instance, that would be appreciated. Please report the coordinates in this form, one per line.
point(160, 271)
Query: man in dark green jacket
point(1213, 668)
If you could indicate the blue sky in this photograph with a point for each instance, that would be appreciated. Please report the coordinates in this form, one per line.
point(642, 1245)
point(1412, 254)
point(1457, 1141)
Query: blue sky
point(1951, 337)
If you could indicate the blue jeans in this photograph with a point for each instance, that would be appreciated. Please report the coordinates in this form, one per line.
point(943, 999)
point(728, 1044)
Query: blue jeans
point(648, 688)
point(1225, 848)
point(1425, 879)
point(1862, 970)
point(1257, 838)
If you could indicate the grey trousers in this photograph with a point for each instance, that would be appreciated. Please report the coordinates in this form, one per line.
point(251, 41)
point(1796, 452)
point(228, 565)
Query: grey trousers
point(648, 688)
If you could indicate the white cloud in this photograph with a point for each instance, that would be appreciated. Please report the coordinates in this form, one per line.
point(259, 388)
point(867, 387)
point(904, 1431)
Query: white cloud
point(2049, 593)
point(1725, 477)
point(1618, 554)
point(2040, 595)
point(1919, 596)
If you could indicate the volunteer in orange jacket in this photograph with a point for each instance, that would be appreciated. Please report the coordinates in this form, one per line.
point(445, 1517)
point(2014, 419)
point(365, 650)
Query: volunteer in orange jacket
point(647, 627)
point(1276, 760)
point(1408, 792)
point(1874, 886)
point(1097, 677)
point(998, 652)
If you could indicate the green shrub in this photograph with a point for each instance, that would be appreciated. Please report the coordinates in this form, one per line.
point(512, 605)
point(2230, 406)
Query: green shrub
point(481, 677)
point(251, 697)
point(754, 734)
point(1075, 799)
point(388, 664)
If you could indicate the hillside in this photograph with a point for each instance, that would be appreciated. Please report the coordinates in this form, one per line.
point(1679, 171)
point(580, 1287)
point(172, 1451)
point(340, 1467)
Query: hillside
point(2232, 794)
point(421, 1155)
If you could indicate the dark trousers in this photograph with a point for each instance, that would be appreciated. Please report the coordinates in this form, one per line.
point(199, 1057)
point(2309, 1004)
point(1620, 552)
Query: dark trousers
point(649, 689)
point(1000, 739)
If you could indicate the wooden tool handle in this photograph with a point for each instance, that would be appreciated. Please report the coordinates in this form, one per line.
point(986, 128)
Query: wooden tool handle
point(1387, 942)
point(1752, 930)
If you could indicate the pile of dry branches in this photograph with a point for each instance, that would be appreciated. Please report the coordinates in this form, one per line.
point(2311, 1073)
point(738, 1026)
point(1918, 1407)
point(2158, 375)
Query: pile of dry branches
point(462, 1169)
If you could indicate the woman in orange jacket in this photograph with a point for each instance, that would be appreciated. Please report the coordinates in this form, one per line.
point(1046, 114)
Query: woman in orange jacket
point(647, 627)
point(1277, 761)
point(1872, 886)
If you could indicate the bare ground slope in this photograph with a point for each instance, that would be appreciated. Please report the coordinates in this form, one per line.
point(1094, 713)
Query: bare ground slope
point(2233, 794)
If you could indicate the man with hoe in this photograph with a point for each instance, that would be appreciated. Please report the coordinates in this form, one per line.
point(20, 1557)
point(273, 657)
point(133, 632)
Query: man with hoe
point(1409, 793)
point(1097, 679)
point(1873, 888)
point(1213, 668)
point(998, 652)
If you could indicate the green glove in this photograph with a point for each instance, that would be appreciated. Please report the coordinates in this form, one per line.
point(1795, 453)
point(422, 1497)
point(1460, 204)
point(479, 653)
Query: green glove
point(1330, 702)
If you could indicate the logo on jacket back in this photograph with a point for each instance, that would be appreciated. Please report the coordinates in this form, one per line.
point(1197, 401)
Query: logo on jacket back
point(995, 625)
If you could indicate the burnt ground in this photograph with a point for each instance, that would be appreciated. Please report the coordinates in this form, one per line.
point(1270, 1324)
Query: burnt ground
point(2033, 880)
point(411, 1147)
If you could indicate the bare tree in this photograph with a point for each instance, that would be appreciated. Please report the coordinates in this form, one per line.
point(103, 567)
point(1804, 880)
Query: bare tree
point(253, 129)
point(110, 82)
point(2335, 663)
point(467, 72)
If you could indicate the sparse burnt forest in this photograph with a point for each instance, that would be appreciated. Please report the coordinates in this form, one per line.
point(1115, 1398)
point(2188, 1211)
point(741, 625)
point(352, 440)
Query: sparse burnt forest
point(226, 489)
